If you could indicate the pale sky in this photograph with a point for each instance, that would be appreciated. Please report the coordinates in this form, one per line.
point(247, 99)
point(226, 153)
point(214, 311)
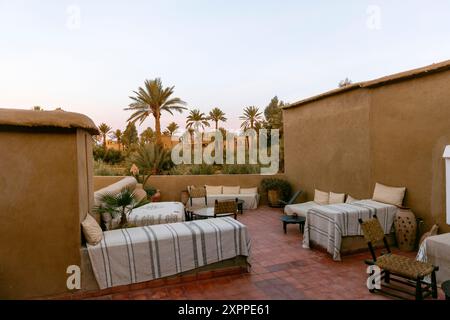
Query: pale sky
point(88, 56)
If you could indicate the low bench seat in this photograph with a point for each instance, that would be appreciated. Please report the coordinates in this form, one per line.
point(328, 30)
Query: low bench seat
point(128, 256)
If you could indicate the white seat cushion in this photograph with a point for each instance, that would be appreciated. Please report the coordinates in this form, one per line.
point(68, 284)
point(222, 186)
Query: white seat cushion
point(248, 190)
point(300, 209)
point(251, 201)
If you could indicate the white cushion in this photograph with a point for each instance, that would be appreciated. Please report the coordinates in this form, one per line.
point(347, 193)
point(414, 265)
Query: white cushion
point(231, 190)
point(213, 190)
point(336, 198)
point(91, 230)
point(115, 188)
point(249, 190)
point(389, 195)
point(321, 197)
point(350, 199)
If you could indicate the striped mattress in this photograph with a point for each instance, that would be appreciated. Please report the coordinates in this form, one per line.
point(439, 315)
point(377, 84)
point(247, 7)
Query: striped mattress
point(326, 225)
point(127, 256)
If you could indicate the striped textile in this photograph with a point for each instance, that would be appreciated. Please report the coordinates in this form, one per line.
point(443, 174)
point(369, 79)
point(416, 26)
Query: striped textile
point(326, 225)
point(141, 254)
point(153, 213)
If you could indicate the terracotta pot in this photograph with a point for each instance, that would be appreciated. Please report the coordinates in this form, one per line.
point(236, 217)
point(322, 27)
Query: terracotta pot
point(273, 197)
point(157, 196)
point(405, 229)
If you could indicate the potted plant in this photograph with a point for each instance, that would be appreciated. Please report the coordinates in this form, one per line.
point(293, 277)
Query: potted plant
point(120, 204)
point(153, 194)
point(277, 189)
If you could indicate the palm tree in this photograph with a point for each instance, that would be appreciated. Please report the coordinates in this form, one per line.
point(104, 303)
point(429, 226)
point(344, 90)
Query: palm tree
point(152, 99)
point(217, 115)
point(104, 130)
point(119, 204)
point(251, 118)
point(148, 135)
point(196, 119)
point(118, 136)
point(172, 128)
point(152, 159)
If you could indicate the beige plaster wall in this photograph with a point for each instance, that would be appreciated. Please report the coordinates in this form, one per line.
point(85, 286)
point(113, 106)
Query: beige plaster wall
point(410, 127)
point(327, 144)
point(42, 201)
point(393, 134)
point(171, 186)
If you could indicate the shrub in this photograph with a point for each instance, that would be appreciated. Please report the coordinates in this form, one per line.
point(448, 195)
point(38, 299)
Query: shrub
point(202, 169)
point(113, 156)
point(101, 169)
point(241, 169)
point(99, 153)
point(110, 156)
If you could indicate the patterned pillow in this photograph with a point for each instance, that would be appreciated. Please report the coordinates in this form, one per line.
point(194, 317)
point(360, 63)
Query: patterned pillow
point(91, 230)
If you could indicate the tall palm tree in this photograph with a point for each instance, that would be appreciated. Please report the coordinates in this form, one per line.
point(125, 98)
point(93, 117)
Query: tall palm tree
point(152, 99)
point(148, 135)
point(196, 119)
point(217, 115)
point(104, 130)
point(172, 128)
point(251, 117)
point(117, 134)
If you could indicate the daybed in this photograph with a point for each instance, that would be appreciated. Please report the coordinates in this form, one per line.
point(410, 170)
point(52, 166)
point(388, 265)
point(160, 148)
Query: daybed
point(149, 214)
point(141, 254)
point(332, 223)
point(250, 196)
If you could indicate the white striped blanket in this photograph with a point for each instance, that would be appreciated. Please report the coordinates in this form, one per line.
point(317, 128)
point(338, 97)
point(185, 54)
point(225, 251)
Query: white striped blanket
point(153, 213)
point(141, 254)
point(326, 225)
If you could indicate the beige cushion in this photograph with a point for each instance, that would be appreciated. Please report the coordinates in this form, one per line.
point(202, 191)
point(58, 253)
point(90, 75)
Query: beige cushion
point(389, 195)
point(231, 190)
point(213, 190)
point(248, 190)
point(321, 197)
point(350, 199)
point(336, 198)
point(91, 230)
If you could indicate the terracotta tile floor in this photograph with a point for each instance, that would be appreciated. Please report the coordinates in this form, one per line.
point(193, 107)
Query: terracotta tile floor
point(281, 270)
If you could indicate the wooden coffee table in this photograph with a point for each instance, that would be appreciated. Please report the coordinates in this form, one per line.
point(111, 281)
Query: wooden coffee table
point(293, 220)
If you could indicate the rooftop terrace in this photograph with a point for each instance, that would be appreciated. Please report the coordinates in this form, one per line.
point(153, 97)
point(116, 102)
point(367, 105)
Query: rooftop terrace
point(281, 270)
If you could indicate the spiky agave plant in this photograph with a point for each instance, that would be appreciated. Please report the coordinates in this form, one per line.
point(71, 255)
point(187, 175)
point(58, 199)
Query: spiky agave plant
point(119, 204)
